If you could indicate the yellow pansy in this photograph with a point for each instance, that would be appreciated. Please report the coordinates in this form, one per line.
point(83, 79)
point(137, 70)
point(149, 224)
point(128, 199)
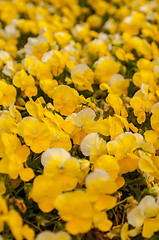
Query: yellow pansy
point(25, 82)
point(142, 47)
point(60, 139)
point(97, 47)
point(146, 213)
point(155, 117)
point(46, 195)
point(7, 94)
point(35, 133)
point(112, 126)
point(109, 164)
point(65, 99)
point(82, 76)
point(60, 166)
point(152, 137)
point(123, 147)
point(36, 109)
point(101, 221)
point(145, 76)
point(122, 55)
point(88, 143)
point(133, 23)
point(56, 61)
point(47, 85)
point(75, 208)
point(40, 70)
point(15, 223)
point(105, 67)
point(117, 104)
point(98, 186)
point(36, 46)
point(125, 233)
point(9, 120)
point(62, 38)
point(85, 124)
point(67, 125)
point(48, 235)
point(13, 156)
point(149, 164)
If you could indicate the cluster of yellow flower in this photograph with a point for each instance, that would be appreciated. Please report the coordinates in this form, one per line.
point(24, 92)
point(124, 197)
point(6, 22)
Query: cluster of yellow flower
point(79, 119)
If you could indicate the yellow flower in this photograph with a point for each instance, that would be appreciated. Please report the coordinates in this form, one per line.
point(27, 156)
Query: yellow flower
point(65, 99)
point(109, 164)
point(105, 67)
point(146, 214)
point(149, 164)
point(35, 109)
point(98, 186)
point(35, 134)
point(13, 156)
point(101, 221)
point(85, 124)
point(59, 165)
point(60, 139)
point(145, 76)
point(119, 85)
point(39, 69)
point(123, 147)
point(63, 38)
point(125, 233)
point(36, 46)
point(7, 94)
point(155, 117)
point(81, 32)
point(122, 55)
point(67, 125)
point(89, 142)
point(9, 120)
point(75, 208)
point(115, 102)
point(28, 232)
point(82, 76)
point(142, 47)
point(46, 195)
point(15, 222)
point(112, 126)
point(95, 21)
point(25, 82)
point(48, 235)
point(97, 47)
point(133, 23)
point(48, 85)
point(152, 137)
point(56, 61)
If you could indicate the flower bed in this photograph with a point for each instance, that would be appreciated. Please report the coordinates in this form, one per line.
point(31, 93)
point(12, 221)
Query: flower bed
point(79, 119)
